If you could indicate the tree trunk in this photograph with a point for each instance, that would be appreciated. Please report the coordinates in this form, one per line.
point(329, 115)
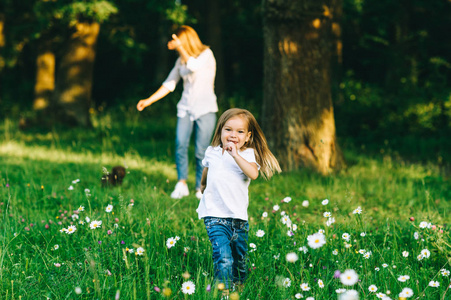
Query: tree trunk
point(215, 40)
point(298, 116)
point(75, 74)
point(45, 77)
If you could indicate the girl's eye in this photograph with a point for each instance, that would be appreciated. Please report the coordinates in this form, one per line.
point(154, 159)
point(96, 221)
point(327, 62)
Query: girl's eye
point(241, 131)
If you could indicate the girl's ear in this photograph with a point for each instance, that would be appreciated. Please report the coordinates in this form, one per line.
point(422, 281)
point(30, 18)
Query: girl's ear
point(248, 136)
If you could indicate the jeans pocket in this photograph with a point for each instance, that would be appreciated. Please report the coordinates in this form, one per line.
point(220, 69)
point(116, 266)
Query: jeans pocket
point(212, 221)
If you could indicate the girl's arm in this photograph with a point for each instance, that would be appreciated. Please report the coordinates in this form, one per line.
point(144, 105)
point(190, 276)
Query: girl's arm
point(160, 93)
point(203, 181)
point(248, 168)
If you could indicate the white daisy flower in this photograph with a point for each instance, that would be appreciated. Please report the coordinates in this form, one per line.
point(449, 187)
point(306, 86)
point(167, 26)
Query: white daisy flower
point(170, 242)
point(292, 257)
point(405, 253)
point(346, 236)
point(384, 265)
point(303, 249)
point(87, 219)
point(265, 215)
point(362, 251)
point(316, 240)
point(276, 207)
point(298, 296)
point(444, 272)
point(416, 235)
point(286, 282)
point(285, 219)
point(358, 210)
point(372, 288)
point(310, 298)
point(286, 199)
point(335, 252)
point(305, 203)
point(305, 287)
point(109, 208)
point(260, 233)
point(325, 202)
point(349, 277)
point(377, 269)
point(253, 246)
point(75, 181)
point(74, 217)
point(380, 295)
point(177, 238)
point(81, 208)
point(327, 214)
point(71, 229)
point(340, 291)
point(349, 295)
point(434, 283)
point(320, 283)
point(56, 247)
point(363, 234)
point(140, 251)
point(426, 253)
point(70, 188)
point(406, 293)
point(95, 224)
point(423, 225)
point(188, 287)
point(330, 221)
point(403, 278)
point(367, 255)
point(276, 257)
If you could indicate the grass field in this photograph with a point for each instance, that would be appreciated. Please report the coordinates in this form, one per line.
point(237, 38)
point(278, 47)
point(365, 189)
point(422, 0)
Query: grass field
point(390, 223)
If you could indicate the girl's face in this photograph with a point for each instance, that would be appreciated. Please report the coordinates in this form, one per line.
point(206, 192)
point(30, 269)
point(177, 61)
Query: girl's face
point(235, 130)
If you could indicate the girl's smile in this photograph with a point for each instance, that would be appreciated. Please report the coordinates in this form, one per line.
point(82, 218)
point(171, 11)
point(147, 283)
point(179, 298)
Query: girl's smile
point(235, 130)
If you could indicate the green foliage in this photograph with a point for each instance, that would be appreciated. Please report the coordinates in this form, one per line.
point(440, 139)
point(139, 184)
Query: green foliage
point(96, 10)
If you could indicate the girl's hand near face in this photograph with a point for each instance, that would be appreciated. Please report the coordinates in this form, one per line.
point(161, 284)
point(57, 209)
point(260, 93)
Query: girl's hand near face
point(231, 149)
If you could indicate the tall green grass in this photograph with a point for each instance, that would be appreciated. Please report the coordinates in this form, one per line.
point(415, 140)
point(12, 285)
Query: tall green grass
point(46, 176)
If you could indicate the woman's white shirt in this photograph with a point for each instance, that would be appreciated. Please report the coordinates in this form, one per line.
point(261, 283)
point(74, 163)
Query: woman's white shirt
point(198, 74)
point(227, 191)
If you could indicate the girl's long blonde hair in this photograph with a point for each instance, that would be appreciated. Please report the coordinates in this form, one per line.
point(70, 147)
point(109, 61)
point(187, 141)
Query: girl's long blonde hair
point(268, 163)
point(190, 40)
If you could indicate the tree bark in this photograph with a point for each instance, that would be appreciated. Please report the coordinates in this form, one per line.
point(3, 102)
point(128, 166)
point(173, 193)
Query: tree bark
point(298, 116)
point(215, 40)
point(75, 74)
point(45, 77)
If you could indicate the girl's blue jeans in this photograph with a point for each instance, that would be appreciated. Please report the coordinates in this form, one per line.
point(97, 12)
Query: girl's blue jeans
point(229, 239)
point(203, 128)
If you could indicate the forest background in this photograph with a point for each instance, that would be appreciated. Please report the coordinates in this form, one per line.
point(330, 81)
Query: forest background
point(391, 85)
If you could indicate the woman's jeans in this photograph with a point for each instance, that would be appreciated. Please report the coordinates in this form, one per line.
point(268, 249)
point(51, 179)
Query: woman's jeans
point(203, 130)
point(229, 240)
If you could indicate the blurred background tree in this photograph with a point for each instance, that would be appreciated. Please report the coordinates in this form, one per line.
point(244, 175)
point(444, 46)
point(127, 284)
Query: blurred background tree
point(390, 62)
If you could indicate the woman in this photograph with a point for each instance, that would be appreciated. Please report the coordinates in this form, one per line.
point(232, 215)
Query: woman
point(197, 108)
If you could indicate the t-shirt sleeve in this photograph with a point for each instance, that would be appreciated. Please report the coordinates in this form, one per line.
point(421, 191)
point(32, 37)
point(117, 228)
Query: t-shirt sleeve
point(173, 78)
point(205, 161)
point(249, 155)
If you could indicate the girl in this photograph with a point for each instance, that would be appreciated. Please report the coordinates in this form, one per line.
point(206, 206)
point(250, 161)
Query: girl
point(196, 109)
point(236, 156)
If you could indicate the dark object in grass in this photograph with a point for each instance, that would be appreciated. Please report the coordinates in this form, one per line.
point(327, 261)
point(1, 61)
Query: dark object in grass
point(114, 178)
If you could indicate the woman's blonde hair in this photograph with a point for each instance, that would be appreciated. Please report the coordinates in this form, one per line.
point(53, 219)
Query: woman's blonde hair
point(190, 40)
point(268, 163)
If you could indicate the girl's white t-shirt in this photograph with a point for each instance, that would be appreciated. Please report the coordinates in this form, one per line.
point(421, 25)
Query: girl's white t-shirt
point(227, 191)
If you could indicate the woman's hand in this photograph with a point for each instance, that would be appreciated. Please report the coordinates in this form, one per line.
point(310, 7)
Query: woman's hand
point(143, 104)
point(174, 43)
